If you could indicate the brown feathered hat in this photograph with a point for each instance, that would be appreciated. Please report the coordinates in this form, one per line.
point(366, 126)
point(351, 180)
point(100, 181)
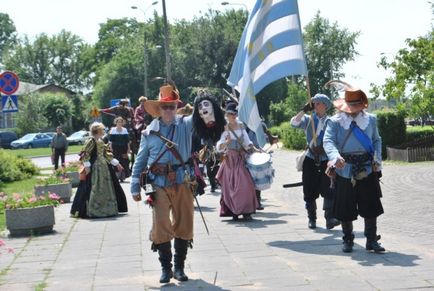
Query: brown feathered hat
point(168, 94)
point(355, 99)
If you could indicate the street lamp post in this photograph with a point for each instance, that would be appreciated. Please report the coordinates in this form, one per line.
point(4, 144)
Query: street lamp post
point(166, 44)
point(234, 3)
point(145, 55)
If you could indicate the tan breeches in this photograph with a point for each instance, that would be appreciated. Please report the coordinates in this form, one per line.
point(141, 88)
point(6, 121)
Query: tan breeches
point(172, 214)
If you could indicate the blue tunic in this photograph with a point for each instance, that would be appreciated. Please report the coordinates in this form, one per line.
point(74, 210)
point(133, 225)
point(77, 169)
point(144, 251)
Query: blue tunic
point(336, 132)
point(151, 145)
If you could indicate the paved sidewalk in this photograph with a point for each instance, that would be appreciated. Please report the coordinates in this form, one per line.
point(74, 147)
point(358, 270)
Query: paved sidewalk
point(276, 251)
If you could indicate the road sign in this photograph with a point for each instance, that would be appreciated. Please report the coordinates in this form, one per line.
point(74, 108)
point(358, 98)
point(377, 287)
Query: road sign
point(94, 112)
point(114, 102)
point(10, 103)
point(9, 83)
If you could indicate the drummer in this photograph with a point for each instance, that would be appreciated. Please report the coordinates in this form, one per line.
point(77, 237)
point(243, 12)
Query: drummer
point(238, 190)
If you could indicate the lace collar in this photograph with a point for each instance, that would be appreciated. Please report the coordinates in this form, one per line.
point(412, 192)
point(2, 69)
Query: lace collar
point(344, 120)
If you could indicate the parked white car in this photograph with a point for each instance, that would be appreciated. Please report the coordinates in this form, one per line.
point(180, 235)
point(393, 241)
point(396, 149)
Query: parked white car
point(78, 137)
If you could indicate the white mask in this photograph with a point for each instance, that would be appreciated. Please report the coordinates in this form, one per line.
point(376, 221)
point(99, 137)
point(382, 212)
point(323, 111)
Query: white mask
point(206, 112)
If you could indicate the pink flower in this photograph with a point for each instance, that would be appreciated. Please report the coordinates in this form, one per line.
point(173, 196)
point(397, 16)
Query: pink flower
point(54, 196)
point(17, 196)
point(33, 199)
point(2, 243)
point(10, 250)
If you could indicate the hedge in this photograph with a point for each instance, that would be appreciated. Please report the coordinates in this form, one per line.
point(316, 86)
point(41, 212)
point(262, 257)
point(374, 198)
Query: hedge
point(13, 168)
point(392, 129)
point(290, 137)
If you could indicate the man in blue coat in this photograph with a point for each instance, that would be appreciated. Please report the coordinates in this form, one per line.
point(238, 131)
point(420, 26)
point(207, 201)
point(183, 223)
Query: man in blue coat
point(353, 146)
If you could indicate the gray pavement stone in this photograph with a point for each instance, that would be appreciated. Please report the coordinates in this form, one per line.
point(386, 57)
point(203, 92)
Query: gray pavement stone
point(275, 251)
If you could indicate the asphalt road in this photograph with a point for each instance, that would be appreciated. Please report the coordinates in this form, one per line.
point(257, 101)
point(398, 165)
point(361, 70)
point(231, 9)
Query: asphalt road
point(45, 162)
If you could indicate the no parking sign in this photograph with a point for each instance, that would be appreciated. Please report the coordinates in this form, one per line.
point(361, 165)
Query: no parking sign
point(9, 83)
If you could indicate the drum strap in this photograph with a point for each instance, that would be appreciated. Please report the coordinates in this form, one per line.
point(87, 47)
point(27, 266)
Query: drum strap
point(238, 139)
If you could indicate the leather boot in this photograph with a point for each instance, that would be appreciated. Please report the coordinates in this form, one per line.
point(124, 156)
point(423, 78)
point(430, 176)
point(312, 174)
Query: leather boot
point(311, 213)
point(371, 236)
point(165, 257)
point(348, 238)
point(258, 198)
point(331, 222)
point(181, 246)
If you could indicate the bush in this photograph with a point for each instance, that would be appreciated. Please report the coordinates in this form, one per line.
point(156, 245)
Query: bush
point(291, 138)
point(419, 132)
point(13, 168)
point(392, 129)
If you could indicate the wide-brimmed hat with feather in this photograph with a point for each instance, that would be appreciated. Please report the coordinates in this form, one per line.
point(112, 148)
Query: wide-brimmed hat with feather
point(354, 100)
point(168, 94)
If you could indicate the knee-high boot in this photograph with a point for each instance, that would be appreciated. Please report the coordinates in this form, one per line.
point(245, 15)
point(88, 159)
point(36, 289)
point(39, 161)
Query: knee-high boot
point(258, 198)
point(181, 246)
point(348, 238)
point(165, 257)
point(311, 213)
point(371, 236)
point(331, 222)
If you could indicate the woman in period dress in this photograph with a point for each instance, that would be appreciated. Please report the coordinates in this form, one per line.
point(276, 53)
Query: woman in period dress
point(100, 194)
point(119, 141)
point(238, 189)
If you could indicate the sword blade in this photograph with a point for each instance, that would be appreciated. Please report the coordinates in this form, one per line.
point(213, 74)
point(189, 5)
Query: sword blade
point(201, 214)
point(292, 185)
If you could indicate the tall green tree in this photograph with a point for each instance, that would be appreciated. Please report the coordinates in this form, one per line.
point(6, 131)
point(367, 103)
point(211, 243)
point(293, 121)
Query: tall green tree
point(412, 80)
point(31, 117)
point(328, 47)
point(8, 33)
point(54, 60)
point(57, 109)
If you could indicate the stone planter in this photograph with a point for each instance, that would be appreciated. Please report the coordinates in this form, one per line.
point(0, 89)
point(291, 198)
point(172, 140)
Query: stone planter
point(63, 190)
point(27, 221)
point(74, 178)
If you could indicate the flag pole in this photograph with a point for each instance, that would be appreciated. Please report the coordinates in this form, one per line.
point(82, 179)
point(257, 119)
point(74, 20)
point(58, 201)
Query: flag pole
point(310, 117)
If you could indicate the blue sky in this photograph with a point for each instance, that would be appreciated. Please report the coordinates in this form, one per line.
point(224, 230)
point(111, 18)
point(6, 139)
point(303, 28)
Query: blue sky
point(384, 24)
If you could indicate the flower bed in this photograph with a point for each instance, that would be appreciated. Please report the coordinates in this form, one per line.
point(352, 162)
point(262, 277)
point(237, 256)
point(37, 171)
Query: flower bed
point(59, 184)
point(28, 214)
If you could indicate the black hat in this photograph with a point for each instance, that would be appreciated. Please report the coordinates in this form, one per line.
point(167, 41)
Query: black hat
point(231, 107)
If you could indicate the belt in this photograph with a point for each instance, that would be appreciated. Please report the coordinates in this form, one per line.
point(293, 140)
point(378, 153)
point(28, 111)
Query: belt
point(164, 169)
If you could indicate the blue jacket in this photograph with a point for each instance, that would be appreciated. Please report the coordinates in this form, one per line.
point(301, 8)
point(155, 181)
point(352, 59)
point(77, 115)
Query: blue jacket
point(307, 127)
point(151, 145)
point(336, 131)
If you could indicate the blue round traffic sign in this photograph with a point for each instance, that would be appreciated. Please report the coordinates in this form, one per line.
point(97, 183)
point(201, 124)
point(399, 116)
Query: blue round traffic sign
point(9, 82)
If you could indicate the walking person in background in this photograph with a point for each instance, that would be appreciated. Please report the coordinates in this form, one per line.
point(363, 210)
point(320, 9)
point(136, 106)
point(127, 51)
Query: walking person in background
point(141, 117)
point(315, 181)
point(238, 190)
point(353, 145)
point(59, 146)
point(120, 146)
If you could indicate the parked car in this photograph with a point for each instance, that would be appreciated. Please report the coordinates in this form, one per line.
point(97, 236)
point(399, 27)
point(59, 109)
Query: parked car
point(50, 134)
point(6, 137)
point(32, 140)
point(78, 137)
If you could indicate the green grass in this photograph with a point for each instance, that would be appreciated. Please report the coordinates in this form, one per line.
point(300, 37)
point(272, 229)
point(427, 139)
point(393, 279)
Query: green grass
point(19, 186)
point(27, 153)
point(426, 128)
point(16, 187)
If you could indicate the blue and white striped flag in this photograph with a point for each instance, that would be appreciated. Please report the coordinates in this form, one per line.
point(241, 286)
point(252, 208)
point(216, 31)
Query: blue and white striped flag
point(271, 48)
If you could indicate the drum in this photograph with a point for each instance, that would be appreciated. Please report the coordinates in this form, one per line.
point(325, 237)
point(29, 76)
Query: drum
point(261, 170)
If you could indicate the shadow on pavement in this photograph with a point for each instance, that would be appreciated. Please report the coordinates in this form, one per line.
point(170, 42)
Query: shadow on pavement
point(272, 215)
point(204, 208)
point(255, 223)
point(331, 245)
point(191, 284)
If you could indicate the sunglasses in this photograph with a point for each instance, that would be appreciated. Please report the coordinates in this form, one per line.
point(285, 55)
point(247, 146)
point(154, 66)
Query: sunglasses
point(168, 107)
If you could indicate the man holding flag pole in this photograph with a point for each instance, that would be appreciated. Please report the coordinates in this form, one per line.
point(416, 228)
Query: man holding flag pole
point(271, 48)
